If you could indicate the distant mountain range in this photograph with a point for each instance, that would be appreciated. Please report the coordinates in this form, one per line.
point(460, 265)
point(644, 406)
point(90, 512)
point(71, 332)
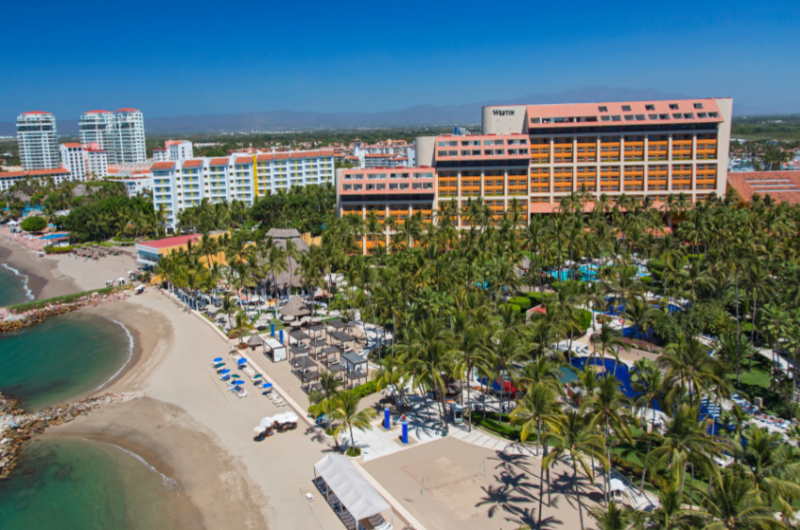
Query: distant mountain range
point(420, 115)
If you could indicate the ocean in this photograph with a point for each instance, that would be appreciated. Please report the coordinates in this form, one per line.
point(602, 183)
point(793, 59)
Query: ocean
point(74, 484)
point(13, 286)
point(62, 357)
point(71, 483)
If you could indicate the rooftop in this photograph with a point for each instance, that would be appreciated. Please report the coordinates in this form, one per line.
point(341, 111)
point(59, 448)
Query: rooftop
point(782, 186)
point(169, 242)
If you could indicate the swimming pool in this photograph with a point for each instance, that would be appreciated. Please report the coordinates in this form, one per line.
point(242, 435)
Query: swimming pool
point(588, 273)
point(54, 236)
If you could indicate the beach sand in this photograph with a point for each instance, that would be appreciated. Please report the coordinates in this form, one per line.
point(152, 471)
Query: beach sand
point(57, 275)
point(190, 428)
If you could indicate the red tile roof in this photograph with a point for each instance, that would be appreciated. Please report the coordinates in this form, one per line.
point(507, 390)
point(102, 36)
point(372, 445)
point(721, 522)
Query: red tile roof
point(127, 109)
point(72, 144)
point(43, 172)
point(218, 162)
point(782, 186)
point(35, 112)
point(98, 112)
point(174, 142)
point(163, 165)
point(172, 241)
point(244, 160)
point(12, 174)
point(193, 163)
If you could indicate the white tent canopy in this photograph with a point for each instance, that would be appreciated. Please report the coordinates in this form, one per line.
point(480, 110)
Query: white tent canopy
point(353, 490)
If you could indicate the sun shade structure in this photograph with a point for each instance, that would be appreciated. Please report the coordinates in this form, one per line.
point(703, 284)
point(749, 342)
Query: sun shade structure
point(336, 324)
point(350, 486)
point(295, 307)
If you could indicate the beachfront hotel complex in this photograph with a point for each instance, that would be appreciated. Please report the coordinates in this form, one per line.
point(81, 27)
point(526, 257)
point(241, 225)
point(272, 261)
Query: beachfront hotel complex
point(532, 156)
point(178, 185)
point(38, 140)
point(120, 134)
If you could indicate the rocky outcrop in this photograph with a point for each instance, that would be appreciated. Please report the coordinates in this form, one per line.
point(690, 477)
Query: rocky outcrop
point(18, 426)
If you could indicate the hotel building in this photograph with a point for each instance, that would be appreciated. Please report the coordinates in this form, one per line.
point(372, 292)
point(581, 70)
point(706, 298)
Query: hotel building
point(181, 185)
point(57, 175)
point(84, 162)
point(173, 150)
point(38, 140)
point(120, 134)
point(535, 155)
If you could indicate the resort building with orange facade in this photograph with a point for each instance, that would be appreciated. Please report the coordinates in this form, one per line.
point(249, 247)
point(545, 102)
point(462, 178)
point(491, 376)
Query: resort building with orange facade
point(533, 156)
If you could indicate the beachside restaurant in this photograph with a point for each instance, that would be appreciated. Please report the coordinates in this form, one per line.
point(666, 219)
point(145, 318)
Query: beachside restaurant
point(350, 495)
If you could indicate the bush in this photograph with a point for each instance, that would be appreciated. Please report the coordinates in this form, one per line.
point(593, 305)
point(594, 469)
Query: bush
point(353, 452)
point(50, 249)
point(370, 387)
point(584, 319)
point(647, 280)
point(34, 223)
point(537, 298)
point(522, 301)
point(66, 299)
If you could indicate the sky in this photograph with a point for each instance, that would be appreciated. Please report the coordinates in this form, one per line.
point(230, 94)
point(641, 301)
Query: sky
point(172, 59)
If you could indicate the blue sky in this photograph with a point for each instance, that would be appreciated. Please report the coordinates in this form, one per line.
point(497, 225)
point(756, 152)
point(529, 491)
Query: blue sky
point(170, 59)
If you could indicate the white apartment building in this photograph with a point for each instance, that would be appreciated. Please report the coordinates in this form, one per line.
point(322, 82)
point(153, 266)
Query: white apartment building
point(120, 134)
point(73, 158)
point(84, 162)
point(174, 151)
point(38, 140)
point(129, 144)
point(385, 153)
point(181, 185)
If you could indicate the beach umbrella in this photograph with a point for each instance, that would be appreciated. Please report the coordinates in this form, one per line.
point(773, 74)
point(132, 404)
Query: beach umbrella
point(259, 430)
point(266, 385)
point(241, 362)
point(219, 365)
point(226, 371)
point(218, 360)
point(237, 381)
point(257, 376)
point(237, 376)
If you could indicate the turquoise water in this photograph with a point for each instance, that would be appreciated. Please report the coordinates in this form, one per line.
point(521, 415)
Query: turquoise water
point(12, 286)
point(78, 485)
point(60, 358)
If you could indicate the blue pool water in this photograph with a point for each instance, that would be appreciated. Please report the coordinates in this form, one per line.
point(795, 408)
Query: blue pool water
point(53, 236)
point(588, 273)
point(622, 373)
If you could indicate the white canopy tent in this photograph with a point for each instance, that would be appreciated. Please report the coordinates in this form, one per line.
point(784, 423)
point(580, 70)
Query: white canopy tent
point(353, 490)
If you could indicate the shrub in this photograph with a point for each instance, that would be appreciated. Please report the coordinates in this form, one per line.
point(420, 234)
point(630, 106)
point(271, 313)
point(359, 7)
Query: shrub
point(353, 452)
point(50, 249)
point(584, 319)
point(522, 301)
point(647, 280)
point(34, 223)
point(370, 387)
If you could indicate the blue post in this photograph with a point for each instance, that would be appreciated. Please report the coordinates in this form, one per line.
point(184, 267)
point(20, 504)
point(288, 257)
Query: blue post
point(386, 420)
point(280, 335)
point(405, 432)
point(272, 329)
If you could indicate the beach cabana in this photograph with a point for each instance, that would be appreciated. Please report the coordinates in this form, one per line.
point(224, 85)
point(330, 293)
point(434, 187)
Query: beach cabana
point(356, 367)
point(336, 324)
point(316, 330)
point(275, 349)
point(356, 495)
point(298, 351)
point(297, 336)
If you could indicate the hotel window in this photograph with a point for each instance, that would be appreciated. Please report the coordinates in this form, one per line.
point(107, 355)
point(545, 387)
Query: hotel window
point(629, 117)
point(698, 105)
point(626, 108)
point(603, 109)
point(649, 107)
point(673, 106)
point(616, 118)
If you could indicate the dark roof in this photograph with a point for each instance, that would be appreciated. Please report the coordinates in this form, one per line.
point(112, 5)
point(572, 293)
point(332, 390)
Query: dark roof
point(336, 323)
point(354, 359)
point(283, 233)
point(299, 335)
point(342, 337)
point(295, 307)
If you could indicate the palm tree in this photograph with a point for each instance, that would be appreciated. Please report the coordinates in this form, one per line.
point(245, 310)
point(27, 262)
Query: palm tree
point(689, 369)
point(669, 513)
point(392, 372)
point(684, 441)
point(243, 324)
point(345, 409)
point(609, 340)
point(323, 400)
point(612, 517)
point(607, 407)
point(647, 381)
point(772, 465)
point(228, 307)
point(431, 358)
point(471, 348)
point(732, 502)
point(540, 406)
point(575, 436)
point(507, 352)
